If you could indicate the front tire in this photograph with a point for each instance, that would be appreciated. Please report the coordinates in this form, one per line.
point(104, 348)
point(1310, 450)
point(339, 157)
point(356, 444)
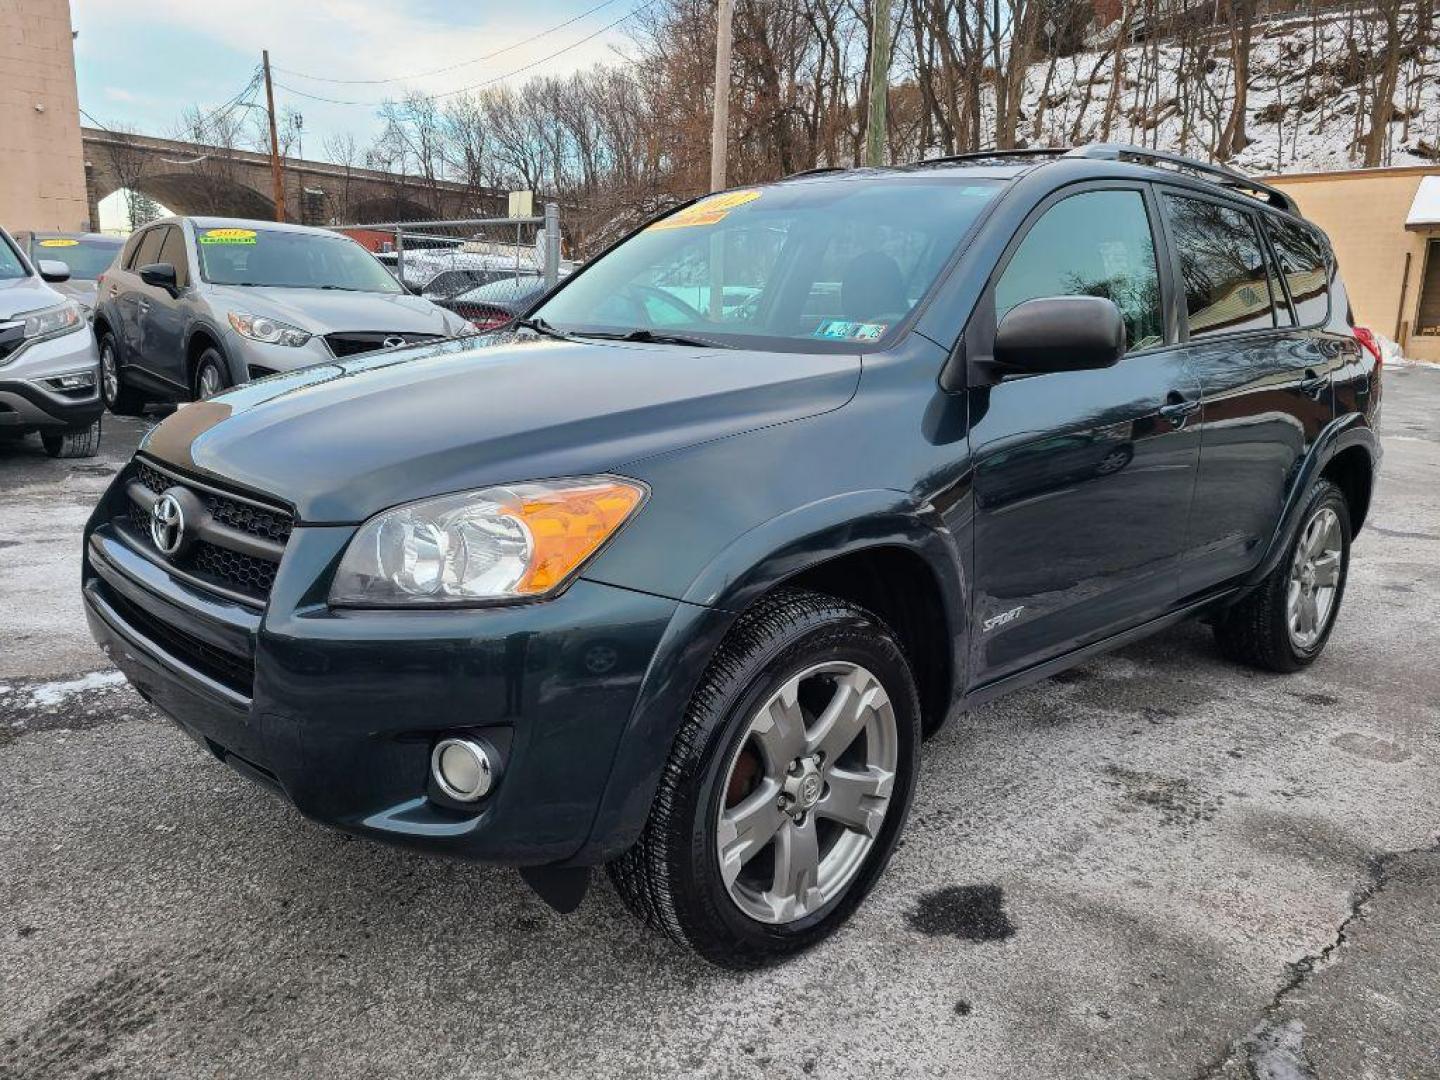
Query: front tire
point(1284, 624)
point(82, 443)
point(787, 785)
point(119, 398)
point(211, 376)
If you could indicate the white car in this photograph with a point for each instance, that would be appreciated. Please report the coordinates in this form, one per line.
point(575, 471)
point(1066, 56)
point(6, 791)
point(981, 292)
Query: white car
point(49, 369)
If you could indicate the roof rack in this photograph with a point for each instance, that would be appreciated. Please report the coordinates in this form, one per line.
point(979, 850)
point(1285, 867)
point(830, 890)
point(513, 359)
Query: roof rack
point(1219, 174)
point(816, 171)
point(1004, 157)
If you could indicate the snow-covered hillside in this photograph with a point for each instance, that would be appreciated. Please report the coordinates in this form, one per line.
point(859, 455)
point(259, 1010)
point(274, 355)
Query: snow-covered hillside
point(1305, 84)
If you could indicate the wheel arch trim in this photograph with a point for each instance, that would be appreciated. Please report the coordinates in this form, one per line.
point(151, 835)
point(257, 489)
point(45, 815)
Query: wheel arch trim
point(753, 565)
point(1341, 434)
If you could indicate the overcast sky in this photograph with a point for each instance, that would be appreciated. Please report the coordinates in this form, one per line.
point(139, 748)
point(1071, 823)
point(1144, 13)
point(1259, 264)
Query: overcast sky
point(141, 62)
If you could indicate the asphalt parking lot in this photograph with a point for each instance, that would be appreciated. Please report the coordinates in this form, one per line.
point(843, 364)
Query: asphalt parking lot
point(1156, 865)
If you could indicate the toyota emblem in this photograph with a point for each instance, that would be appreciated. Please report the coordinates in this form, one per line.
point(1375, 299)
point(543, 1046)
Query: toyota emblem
point(167, 524)
point(394, 341)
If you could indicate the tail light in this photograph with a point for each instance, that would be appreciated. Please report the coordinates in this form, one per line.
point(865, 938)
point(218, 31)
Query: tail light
point(1366, 337)
point(488, 324)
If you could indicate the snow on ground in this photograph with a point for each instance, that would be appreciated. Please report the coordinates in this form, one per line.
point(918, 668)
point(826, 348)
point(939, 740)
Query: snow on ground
point(48, 695)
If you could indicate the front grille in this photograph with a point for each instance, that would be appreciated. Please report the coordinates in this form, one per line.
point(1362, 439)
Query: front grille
point(250, 574)
point(208, 558)
point(349, 343)
point(236, 672)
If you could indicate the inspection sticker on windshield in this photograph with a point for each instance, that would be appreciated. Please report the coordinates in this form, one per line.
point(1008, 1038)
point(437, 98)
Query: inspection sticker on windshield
point(60, 243)
point(839, 330)
point(228, 236)
point(707, 211)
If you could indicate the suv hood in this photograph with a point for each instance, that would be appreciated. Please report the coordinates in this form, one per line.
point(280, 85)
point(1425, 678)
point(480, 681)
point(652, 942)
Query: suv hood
point(344, 440)
point(326, 311)
point(19, 296)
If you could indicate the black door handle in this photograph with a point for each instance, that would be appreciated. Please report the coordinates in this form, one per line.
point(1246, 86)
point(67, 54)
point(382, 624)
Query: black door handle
point(1313, 384)
point(1176, 409)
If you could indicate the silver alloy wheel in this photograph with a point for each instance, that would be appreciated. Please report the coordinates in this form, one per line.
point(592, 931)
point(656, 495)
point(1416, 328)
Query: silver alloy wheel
point(210, 382)
point(1314, 579)
point(109, 376)
point(807, 789)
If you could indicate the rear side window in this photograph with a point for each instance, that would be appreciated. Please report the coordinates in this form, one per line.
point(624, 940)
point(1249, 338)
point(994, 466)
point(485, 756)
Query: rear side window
point(1303, 262)
point(1097, 243)
point(1223, 267)
point(172, 251)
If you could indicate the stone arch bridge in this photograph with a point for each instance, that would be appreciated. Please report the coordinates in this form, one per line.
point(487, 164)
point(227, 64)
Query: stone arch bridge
point(192, 178)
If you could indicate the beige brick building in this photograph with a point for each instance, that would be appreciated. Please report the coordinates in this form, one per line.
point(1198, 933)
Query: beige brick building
point(1392, 271)
point(42, 165)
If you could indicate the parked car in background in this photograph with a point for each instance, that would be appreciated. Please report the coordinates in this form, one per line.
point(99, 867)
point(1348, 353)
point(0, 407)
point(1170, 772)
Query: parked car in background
point(195, 305)
point(49, 371)
point(88, 255)
point(680, 588)
point(494, 305)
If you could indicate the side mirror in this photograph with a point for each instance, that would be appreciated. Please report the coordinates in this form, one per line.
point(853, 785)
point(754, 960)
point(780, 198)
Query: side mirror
point(160, 275)
point(1060, 333)
point(53, 270)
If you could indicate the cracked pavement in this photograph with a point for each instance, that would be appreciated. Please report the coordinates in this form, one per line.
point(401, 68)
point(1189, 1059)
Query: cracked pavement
point(1155, 865)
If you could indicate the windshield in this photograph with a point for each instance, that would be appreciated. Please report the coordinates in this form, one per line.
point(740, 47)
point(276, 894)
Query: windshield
point(289, 260)
point(87, 257)
point(10, 264)
point(812, 266)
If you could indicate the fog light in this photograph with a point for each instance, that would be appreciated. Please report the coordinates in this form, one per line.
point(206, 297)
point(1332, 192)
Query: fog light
point(463, 768)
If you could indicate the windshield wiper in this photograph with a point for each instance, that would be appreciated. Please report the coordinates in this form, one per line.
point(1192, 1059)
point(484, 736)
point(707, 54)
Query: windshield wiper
point(540, 326)
point(650, 337)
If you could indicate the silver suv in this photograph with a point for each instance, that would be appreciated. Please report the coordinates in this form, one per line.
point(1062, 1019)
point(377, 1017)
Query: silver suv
point(48, 368)
point(195, 305)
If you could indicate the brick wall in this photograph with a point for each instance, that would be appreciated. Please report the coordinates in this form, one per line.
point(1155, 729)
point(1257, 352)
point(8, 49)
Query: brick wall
point(42, 165)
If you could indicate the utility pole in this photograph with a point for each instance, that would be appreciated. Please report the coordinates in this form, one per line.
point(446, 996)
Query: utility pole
point(875, 148)
point(275, 178)
point(720, 126)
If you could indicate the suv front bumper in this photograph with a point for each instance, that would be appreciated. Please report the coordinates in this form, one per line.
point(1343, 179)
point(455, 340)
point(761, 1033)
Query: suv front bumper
point(338, 710)
point(30, 401)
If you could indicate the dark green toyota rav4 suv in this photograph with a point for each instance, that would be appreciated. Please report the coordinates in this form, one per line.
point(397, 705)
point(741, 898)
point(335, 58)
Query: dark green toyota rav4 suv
point(676, 575)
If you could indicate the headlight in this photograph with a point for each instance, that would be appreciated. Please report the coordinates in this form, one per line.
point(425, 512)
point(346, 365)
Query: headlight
point(51, 322)
point(54, 321)
point(503, 543)
point(270, 331)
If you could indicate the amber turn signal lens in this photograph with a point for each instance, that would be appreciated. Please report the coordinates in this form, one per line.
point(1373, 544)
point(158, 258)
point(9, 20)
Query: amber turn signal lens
point(567, 526)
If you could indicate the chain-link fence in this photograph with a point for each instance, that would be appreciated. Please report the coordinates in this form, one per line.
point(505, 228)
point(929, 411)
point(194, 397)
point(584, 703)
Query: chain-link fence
point(486, 269)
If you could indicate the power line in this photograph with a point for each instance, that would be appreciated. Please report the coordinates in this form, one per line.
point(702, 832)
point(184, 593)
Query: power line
point(452, 67)
point(487, 82)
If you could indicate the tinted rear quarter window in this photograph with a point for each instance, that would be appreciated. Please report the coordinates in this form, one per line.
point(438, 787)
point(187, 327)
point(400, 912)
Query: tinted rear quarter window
point(1222, 266)
point(1304, 264)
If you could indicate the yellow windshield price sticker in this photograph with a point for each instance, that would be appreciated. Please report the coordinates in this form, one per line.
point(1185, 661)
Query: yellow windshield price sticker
point(60, 243)
point(228, 236)
point(709, 211)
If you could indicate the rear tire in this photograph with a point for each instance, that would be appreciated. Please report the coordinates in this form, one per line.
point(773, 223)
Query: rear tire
point(82, 443)
point(119, 398)
point(1284, 624)
point(710, 868)
point(211, 375)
